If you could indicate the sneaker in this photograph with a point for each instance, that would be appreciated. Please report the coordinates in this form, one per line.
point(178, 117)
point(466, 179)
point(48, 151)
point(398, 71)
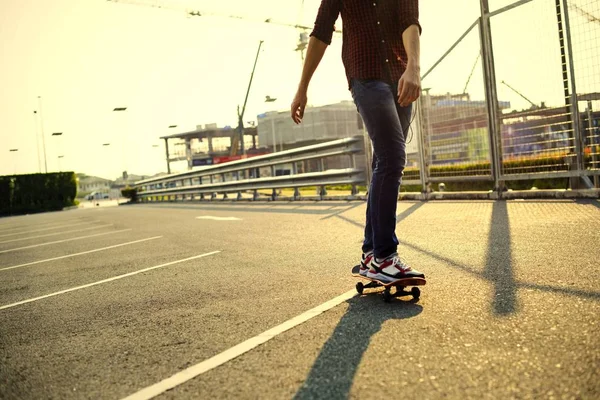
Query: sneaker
point(365, 263)
point(392, 269)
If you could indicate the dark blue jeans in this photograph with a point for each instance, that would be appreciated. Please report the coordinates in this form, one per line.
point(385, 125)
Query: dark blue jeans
point(387, 123)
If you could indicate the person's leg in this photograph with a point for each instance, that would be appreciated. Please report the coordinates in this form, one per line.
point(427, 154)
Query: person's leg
point(368, 240)
point(377, 105)
point(386, 123)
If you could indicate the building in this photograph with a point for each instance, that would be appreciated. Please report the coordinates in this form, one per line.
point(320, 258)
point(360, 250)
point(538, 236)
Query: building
point(277, 132)
point(88, 184)
point(208, 145)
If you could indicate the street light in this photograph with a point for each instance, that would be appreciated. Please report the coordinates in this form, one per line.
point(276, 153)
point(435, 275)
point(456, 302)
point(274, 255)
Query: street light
point(14, 160)
point(269, 99)
point(37, 140)
point(43, 135)
point(123, 164)
point(57, 134)
point(59, 164)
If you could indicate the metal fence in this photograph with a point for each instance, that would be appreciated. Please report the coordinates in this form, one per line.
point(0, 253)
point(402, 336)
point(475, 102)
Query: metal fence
point(516, 97)
point(523, 99)
point(249, 178)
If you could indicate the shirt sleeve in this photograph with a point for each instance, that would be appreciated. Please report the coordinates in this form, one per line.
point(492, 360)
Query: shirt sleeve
point(324, 25)
point(409, 15)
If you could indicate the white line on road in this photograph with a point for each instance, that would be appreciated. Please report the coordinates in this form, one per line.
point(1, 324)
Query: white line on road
point(56, 233)
point(62, 241)
point(79, 254)
point(230, 354)
point(114, 278)
point(219, 218)
point(45, 229)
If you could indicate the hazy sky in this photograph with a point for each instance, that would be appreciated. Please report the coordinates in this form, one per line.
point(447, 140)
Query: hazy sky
point(86, 57)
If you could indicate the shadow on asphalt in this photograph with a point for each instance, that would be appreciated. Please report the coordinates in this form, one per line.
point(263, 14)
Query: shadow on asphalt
point(498, 264)
point(311, 208)
point(334, 369)
point(403, 215)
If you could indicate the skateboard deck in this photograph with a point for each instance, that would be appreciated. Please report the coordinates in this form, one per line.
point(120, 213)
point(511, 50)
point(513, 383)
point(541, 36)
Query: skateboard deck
point(399, 284)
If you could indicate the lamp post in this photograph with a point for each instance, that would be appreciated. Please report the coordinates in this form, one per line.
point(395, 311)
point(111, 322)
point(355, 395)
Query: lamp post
point(59, 165)
point(167, 151)
point(123, 164)
point(37, 141)
point(58, 134)
point(14, 160)
point(269, 99)
point(43, 135)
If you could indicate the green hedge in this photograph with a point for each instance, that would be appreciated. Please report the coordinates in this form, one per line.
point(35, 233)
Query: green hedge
point(25, 194)
point(552, 163)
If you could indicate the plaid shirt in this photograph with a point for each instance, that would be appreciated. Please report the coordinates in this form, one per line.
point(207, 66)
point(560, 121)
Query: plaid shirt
point(372, 36)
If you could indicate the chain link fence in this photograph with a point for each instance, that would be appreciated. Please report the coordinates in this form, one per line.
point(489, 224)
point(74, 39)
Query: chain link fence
point(516, 97)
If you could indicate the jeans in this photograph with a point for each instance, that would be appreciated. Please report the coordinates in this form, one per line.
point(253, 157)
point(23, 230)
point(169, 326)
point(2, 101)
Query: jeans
point(387, 123)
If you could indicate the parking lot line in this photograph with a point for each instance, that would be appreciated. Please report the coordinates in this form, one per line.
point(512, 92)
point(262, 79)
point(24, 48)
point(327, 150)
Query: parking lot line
point(79, 254)
point(56, 233)
point(221, 358)
point(62, 241)
point(45, 229)
point(114, 278)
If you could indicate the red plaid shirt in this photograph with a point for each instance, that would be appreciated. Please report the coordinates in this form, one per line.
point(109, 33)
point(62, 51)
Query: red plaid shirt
point(372, 35)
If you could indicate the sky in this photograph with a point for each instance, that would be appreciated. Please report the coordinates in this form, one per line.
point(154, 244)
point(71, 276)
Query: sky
point(86, 57)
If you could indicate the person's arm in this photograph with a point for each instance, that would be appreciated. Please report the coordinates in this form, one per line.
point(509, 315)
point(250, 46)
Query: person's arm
point(314, 55)
point(409, 86)
point(320, 38)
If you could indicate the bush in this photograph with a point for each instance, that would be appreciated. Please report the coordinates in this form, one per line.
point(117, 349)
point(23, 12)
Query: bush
point(130, 193)
point(23, 194)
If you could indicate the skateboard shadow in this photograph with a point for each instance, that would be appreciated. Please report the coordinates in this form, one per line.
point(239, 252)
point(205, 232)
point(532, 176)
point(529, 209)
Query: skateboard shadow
point(334, 369)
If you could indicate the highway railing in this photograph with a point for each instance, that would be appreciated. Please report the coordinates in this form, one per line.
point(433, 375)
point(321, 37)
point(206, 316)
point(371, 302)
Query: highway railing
point(244, 176)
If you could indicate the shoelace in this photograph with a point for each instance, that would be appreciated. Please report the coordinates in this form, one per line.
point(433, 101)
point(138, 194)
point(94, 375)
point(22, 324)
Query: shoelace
point(401, 265)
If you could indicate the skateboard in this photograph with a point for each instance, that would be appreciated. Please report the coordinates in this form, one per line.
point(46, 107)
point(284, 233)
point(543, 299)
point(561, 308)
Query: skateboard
point(400, 285)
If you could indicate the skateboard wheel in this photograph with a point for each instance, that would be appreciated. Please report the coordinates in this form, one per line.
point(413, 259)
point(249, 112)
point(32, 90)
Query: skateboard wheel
point(416, 292)
point(387, 297)
point(360, 287)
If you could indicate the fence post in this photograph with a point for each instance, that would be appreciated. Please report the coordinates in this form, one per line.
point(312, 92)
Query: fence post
point(423, 123)
point(491, 94)
point(574, 104)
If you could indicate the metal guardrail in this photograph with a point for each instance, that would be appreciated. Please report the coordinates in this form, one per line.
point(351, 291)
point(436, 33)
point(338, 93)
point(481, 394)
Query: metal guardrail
point(198, 184)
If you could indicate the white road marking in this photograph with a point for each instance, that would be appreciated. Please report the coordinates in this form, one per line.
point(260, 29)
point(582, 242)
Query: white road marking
point(114, 278)
point(219, 218)
point(45, 229)
point(221, 358)
point(62, 241)
point(79, 254)
point(56, 233)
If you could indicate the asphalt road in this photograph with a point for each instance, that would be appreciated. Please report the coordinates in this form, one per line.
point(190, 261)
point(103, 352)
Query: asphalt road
point(105, 302)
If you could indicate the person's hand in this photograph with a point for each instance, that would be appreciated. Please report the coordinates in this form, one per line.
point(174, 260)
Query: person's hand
point(298, 106)
point(409, 86)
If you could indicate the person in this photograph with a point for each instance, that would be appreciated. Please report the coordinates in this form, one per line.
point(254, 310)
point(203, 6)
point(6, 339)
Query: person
point(381, 57)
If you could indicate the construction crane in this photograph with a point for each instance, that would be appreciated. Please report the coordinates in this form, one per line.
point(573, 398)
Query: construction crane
point(533, 105)
point(164, 5)
point(237, 139)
